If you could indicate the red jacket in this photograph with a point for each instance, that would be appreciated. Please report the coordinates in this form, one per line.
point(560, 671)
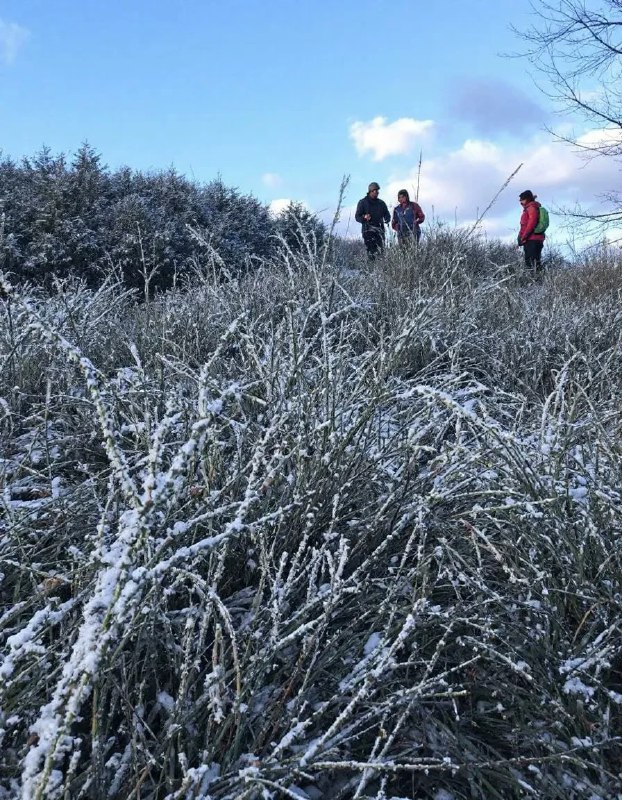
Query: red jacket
point(528, 222)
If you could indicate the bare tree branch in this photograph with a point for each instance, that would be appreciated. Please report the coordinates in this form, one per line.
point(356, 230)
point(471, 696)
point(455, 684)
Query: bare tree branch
point(576, 46)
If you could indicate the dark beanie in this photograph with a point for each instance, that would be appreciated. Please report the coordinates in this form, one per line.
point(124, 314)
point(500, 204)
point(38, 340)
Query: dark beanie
point(527, 195)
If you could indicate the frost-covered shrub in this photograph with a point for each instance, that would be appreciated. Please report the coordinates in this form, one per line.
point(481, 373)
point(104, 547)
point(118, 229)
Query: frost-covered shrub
point(76, 219)
point(312, 531)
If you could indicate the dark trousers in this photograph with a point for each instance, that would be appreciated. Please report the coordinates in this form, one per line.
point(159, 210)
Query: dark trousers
point(533, 255)
point(374, 242)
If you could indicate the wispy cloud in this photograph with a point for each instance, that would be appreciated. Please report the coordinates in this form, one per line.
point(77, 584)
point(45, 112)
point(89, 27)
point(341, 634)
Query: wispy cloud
point(272, 180)
point(12, 37)
point(494, 106)
point(383, 139)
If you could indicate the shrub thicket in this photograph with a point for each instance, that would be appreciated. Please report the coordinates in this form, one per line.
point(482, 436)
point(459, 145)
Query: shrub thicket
point(317, 530)
point(78, 219)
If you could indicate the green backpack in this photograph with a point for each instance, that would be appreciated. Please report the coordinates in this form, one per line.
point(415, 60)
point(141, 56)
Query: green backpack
point(543, 220)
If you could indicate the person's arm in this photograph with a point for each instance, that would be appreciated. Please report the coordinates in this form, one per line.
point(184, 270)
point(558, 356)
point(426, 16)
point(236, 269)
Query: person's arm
point(360, 211)
point(419, 215)
point(394, 223)
point(386, 216)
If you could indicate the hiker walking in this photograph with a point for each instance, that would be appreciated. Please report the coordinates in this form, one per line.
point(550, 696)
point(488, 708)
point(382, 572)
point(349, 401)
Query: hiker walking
point(372, 213)
point(407, 217)
point(533, 223)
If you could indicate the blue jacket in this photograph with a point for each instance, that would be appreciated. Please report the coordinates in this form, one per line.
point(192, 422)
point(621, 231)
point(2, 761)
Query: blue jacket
point(406, 220)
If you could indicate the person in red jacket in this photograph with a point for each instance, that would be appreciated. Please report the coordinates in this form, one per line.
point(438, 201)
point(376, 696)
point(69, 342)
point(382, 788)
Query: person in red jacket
point(527, 239)
point(407, 216)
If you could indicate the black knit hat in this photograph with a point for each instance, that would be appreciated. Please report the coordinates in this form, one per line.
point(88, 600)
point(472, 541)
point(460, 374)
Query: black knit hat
point(527, 195)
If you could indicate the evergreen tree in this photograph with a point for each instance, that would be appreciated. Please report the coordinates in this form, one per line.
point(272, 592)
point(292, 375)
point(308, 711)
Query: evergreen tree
point(74, 217)
point(299, 228)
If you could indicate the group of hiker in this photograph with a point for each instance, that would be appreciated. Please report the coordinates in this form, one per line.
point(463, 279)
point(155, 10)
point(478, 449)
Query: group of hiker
point(372, 213)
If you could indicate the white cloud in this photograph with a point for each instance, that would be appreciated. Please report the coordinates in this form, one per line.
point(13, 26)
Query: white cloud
point(271, 179)
point(276, 206)
point(383, 138)
point(461, 183)
point(12, 37)
point(457, 185)
point(604, 137)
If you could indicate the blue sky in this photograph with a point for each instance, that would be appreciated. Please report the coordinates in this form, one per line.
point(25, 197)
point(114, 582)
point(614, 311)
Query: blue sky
point(283, 98)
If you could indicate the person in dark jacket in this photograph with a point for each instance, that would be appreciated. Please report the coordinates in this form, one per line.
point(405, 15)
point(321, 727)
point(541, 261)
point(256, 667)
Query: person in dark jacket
point(407, 217)
point(527, 239)
point(373, 214)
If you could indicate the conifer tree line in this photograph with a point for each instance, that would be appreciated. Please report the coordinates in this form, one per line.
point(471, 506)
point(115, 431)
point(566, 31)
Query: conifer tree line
point(72, 216)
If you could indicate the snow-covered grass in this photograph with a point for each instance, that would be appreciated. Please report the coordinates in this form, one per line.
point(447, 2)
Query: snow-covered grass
point(328, 530)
